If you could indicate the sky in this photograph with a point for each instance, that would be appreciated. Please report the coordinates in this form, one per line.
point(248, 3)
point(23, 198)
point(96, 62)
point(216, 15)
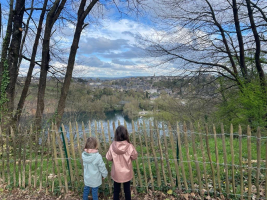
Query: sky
point(113, 50)
point(109, 45)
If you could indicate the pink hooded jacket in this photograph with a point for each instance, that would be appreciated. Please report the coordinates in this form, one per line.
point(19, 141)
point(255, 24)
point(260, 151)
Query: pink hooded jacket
point(121, 153)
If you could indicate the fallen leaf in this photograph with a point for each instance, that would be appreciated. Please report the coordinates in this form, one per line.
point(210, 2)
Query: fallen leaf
point(169, 191)
point(185, 196)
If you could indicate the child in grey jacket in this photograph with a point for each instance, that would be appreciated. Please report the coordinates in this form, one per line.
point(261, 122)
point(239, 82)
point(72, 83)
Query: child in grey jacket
point(94, 168)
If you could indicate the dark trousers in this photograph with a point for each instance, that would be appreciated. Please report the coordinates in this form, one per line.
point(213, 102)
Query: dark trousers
point(117, 189)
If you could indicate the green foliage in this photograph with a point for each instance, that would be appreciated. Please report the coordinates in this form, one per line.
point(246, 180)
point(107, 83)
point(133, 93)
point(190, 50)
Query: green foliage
point(145, 104)
point(4, 84)
point(131, 109)
point(246, 107)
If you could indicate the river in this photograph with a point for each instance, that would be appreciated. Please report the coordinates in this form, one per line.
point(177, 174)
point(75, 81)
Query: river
point(110, 117)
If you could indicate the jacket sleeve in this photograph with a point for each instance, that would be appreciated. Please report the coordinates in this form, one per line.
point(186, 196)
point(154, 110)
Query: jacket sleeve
point(109, 154)
point(134, 153)
point(102, 168)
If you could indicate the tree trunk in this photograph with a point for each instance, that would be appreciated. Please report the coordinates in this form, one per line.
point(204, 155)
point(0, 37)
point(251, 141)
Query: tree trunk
point(68, 76)
point(65, 88)
point(52, 16)
point(227, 49)
point(0, 19)
point(258, 48)
point(6, 40)
point(31, 67)
point(240, 41)
point(13, 54)
point(25, 34)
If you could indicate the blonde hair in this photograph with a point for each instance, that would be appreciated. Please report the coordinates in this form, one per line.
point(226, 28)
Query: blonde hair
point(91, 143)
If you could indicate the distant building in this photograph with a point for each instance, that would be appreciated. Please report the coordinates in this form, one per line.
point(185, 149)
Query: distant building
point(151, 91)
point(92, 84)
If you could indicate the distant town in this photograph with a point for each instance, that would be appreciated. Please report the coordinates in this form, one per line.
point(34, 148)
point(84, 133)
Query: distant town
point(154, 86)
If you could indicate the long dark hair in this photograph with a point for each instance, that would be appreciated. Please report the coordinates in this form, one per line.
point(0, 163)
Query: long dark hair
point(121, 134)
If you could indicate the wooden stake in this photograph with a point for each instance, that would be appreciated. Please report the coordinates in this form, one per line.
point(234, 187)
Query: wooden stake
point(232, 157)
point(148, 157)
point(52, 159)
point(109, 136)
point(167, 156)
point(211, 164)
point(47, 161)
point(105, 149)
point(79, 151)
point(78, 141)
point(20, 138)
point(53, 135)
point(30, 163)
point(137, 163)
point(240, 162)
point(258, 162)
point(249, 161)
point(84, 134)
point(203, 159)
point(217, 159)
point(188, 157)
point(196, 161)
point(161, 155)
point(36, 156)
point(181, 160)
point(14, 154)
point(41, 167)
point(63, 158)
point(25, 144)
point(177, 170)
point(143, 162)
point(90, 131)
point(74, 179)
point(144, 167)
point(225, 162)
point(68, 160)
point(154, 154)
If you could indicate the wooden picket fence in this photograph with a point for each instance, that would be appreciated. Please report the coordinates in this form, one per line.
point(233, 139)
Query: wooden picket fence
point(178, 158)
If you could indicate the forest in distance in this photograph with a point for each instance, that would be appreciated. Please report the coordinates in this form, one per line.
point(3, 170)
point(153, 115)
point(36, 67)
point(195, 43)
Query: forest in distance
point(169, 98)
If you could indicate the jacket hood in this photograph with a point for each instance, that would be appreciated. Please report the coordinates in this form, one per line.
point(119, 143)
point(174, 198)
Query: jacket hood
point(120, 147)
point(89, 157)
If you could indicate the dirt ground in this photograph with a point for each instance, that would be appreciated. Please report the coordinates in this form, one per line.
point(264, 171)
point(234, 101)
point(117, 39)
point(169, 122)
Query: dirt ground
point(31, 194)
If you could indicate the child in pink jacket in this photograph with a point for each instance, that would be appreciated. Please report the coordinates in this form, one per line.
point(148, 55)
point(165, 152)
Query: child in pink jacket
point(121, 152)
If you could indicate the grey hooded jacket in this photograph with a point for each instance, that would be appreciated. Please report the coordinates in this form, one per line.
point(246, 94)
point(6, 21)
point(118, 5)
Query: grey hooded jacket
point(94, 169)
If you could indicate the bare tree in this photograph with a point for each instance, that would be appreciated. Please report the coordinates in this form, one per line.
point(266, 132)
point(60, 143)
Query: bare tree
point(16, 49)
point(258, 46)
point(51, 18)
point(32, 64)
point(219, 37)
point(9, 61)
point(82, 13)
point(207, 36)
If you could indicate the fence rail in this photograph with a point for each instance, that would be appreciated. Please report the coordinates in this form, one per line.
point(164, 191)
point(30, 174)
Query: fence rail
point(184, 157)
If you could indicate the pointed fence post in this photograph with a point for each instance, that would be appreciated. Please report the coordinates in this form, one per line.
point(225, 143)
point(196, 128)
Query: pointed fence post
point(65, 150)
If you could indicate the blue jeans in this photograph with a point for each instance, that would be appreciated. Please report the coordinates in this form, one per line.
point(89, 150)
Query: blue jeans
point(86, 191)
